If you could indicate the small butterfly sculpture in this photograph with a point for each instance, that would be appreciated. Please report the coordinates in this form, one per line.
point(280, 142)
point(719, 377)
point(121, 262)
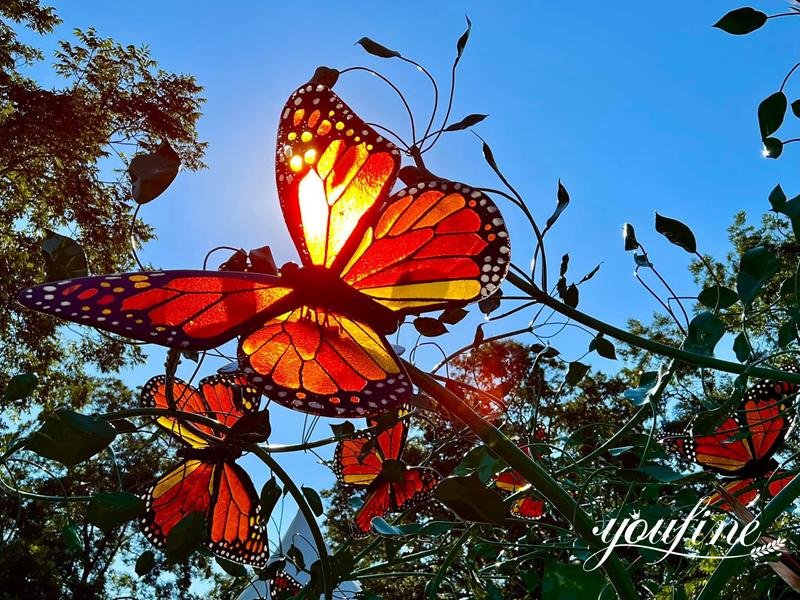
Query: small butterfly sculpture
point(314, 337)
point(207, 480)
point(742, 447)
point(527, 507)
point(374, 463)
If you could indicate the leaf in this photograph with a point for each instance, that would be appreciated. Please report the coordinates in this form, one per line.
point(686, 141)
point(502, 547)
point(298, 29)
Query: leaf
point(63, 258)
point(295, 555)
point(429, 327)
point(109, 510)
point(72, 538)
point(562, 197)
point(381, 527)
point(145, 563)
point(270, 494)
point(741, 21)
point(231, 568)
point(462, 42)
point(185, 537)
point(481, 461)
point(376, 49)
point(756, 266)
point(343, 429)
point(453, 315)
point(741, 348)
point(491, 303)
point(589, 275)
point(660, 473)
point(151, 174)
point(20, 386)
point(676, 232)
point(777, 199)
point(620, 450)
point(773, 147)
point(262, 261)
point(478, 339)
point(326, 76)
point(796, 108)
point(70, 438)
point(313, 499)
point(471, 500)
point(716, 296)
point(629, 236)
point(705, 331)
point(466, 122)
point(562, 581)
point(576, 372)
point(639, 395)
point(771, 113)
point(603, 347)
point(252, 427)
point(787, 333)
point(569, 295)
point(641, 260)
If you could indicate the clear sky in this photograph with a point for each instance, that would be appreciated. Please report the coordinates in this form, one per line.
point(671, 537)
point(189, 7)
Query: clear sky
point(636, 106)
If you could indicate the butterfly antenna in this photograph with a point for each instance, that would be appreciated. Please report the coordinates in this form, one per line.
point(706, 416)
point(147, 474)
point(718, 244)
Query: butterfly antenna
point(388, 82)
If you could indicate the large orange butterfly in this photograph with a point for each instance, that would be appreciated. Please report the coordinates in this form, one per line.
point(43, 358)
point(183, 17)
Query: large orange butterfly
point(207, 479)
point(314, 337)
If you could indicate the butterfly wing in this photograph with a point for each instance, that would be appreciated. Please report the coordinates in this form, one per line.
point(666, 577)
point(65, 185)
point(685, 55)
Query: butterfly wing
point(433, 246)
point(324, 363)
point(333, 172)
point(224, 398)
point(391, 441)
point(184, 490)
point(528, 508)
point(768, 415)
point(416, 487)
point(193, 310)
point(236, 529)
point(357, 462)
point(283, 586)
point(377, 503)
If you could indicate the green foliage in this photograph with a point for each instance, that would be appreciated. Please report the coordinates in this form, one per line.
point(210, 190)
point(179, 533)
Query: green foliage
point(70, 438)
point(742, 21)
point(110, 510)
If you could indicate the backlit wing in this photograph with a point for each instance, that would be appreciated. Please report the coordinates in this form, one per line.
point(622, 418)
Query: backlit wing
point(768, 414)
point(324, 363)
point(725, 451)
point(528, 508)
point(333, 172)
point(236, 529)
point(184, 490)
point(391, 441)
point(283, 586)
point(434, 245)
point(416, 487)
point(194, 310)
point(224, 398)
point(357, 461)
point(377, 503)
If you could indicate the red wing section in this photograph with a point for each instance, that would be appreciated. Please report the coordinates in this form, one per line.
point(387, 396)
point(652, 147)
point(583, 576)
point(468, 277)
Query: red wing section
point(333, 173)
point(324, 363)
point(184, 490)
point(236, 530)
point(435, 245)
point(357, 462)
point(528, 508)
point(194, 310)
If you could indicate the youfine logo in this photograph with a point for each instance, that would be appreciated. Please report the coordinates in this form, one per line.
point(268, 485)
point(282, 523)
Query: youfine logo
point(672, 537)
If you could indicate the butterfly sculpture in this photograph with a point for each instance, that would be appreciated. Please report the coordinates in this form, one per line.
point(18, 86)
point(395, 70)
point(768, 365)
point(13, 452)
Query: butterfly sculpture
point(742, 448)
point(375, 463)
point(208, 480)
point(528, 506)
point(314, 337)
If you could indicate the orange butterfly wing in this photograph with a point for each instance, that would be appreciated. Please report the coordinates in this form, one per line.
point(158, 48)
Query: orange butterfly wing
point(185, 489)
point(236, 529)
point(194, 310)
point(324, 363)
point(333, 173)
point(224, 398)
point(434, 245)
point(357, 462)
point(528, 508)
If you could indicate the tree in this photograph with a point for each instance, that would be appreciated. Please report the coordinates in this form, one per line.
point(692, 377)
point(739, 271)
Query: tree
point(63, 155)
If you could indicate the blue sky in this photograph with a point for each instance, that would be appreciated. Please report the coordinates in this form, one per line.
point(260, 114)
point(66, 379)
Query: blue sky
point(637, 107)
